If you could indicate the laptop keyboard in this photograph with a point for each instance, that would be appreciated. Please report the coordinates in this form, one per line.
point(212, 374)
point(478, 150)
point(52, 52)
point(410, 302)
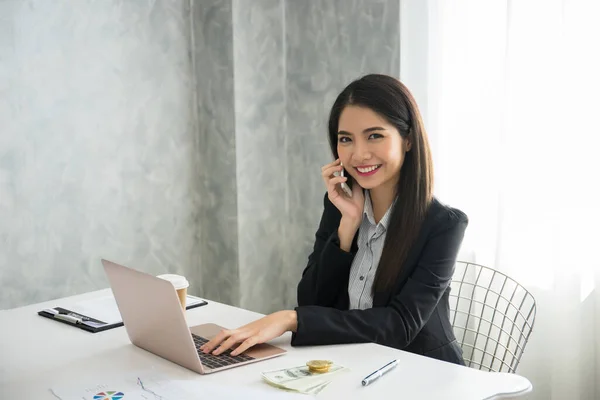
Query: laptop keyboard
point(222, 360)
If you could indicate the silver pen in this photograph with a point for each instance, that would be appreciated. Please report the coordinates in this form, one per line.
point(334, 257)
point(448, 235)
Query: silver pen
point(379, 373)
point(68, 318)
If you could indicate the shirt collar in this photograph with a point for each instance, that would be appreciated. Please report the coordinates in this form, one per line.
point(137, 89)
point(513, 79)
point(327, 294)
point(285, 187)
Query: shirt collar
point(368, 212)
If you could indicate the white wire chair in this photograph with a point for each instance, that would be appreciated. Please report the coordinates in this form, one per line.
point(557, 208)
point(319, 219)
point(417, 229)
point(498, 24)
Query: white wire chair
point(492, 317)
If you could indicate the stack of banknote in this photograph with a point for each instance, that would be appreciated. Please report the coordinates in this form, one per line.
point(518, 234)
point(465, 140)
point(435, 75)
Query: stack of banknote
point(301, 379)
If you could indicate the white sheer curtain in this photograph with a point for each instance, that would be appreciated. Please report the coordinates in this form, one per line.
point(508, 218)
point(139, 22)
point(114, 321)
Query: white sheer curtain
point(512, 105)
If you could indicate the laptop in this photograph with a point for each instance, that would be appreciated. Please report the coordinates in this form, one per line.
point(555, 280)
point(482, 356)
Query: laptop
point(155, 322)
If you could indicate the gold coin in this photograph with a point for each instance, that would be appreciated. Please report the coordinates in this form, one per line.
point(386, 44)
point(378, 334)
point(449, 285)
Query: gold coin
point(319, 363)
point(319, 366)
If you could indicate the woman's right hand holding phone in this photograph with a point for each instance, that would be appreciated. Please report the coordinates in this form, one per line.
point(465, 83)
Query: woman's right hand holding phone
point(351, 208)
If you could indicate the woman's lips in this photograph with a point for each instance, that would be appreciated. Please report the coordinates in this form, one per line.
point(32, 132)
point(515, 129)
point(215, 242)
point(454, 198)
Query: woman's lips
point(367, 170)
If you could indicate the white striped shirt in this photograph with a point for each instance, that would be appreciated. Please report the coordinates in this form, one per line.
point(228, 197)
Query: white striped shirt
point(371, 237)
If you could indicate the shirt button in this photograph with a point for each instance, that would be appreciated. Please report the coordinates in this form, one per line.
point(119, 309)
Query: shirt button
point(362, 278)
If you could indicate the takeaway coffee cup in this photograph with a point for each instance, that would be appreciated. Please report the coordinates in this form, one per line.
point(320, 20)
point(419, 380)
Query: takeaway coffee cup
point(180, 284)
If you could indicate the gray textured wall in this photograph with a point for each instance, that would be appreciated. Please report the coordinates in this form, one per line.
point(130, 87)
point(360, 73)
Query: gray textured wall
point(261, 139)
point(182, 136)
point(212, 37)
point(97, 148)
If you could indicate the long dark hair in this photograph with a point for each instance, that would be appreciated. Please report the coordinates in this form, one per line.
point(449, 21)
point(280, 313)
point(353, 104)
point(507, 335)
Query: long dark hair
point(389, 98)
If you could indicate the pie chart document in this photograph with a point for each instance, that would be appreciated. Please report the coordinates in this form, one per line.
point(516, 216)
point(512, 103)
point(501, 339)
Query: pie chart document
point(145, 385)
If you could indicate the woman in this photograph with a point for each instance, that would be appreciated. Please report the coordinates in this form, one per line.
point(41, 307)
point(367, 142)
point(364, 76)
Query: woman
point(383, 257)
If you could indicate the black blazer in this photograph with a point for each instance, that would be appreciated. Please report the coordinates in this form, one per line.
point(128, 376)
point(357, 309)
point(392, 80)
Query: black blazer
point(412, 316)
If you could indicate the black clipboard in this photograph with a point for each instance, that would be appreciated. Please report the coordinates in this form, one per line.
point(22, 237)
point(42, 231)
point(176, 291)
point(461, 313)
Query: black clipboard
point(98, 326)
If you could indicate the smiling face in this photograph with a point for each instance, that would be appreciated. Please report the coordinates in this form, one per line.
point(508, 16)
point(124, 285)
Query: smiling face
point(370, 148)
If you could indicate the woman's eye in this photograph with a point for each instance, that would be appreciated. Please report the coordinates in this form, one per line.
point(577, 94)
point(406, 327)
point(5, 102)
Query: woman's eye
point(343, 139)
point(375, 136)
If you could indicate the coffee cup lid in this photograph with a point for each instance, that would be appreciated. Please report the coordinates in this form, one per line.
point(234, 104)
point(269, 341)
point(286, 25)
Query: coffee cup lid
point(178, 281)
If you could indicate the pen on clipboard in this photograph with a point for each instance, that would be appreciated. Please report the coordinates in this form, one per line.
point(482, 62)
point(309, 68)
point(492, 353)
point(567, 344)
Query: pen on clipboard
point(65, 317)
point(379, 373)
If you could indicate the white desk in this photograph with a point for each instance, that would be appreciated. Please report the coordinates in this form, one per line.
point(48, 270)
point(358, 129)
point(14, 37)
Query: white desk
point(37, 353)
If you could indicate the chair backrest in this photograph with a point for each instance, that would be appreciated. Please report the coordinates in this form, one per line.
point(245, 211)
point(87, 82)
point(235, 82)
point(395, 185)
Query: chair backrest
point(492, 317)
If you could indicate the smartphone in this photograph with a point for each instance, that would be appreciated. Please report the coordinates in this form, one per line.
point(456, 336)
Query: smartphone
point(344, 185)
